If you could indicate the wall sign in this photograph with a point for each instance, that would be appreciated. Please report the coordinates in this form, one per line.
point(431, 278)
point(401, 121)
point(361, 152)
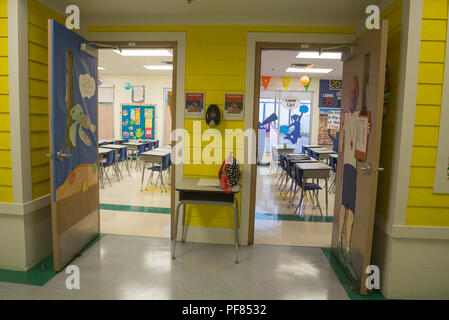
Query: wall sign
point(233, 106)
point(138, 94)
point(194, 108)
point(138, 121)
point(330, 94)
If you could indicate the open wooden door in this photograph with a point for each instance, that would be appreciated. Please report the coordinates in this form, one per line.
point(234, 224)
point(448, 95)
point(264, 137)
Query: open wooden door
point(73, 143)
point(359, 151)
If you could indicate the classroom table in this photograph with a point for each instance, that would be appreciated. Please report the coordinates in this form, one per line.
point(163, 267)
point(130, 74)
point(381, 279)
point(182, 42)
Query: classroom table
point(153, 156)
point(322, 153)
point(282, 150)
point(117, 148)
point(106, 141)
point(316, 170)
point(133, 145)
point(191, 193)
point(153, 142)
point(307, 146)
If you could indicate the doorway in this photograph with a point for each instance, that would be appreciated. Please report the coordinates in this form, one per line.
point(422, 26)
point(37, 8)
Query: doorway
point(294, 102)
point(135, 191)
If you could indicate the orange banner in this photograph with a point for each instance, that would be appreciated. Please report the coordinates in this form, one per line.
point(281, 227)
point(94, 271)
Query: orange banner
point(265, 81)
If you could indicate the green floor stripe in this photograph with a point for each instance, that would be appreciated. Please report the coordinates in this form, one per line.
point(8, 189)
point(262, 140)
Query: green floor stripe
point(345, 280)
point(292, 217)
point(41, 273)
point(122, 207)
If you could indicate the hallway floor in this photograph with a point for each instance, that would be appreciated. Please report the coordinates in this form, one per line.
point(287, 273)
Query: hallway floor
point(111, 270)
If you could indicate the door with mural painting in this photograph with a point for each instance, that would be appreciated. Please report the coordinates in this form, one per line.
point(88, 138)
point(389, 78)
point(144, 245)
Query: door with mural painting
point(359, 151)
point(73, 143)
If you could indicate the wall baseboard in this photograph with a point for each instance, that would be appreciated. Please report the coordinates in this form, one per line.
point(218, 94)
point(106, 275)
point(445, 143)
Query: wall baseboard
point(22, 209)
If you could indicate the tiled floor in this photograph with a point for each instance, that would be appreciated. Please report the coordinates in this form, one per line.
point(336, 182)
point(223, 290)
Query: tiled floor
point(110, 269)
point(284, 231)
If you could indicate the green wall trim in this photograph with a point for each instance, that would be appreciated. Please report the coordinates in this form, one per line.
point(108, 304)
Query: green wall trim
point(345, 280)
point(41, 273)
point(259, 216)
point(122, 207)
point(291, 217)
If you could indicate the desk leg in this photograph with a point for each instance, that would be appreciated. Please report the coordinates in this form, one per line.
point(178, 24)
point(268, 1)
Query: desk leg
point(327, 193)
point(143, 175)
point(183, 223)
point(236, 228)
point(175, 235)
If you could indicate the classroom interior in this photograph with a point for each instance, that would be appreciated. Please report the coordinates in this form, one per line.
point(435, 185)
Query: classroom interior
point(134, 110)
point(299, 103)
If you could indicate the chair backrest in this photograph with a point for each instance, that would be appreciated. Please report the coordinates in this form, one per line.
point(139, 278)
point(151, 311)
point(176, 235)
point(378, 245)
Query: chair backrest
point(125, 140)
point(156, 144)
point(110, 159)
point(141, 149)
point(298, 176)
point(102, 144)
point(333, 163)
point(122, 155)
point(166, 161)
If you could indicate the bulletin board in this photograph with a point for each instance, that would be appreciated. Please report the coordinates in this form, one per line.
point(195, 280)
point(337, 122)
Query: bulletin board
point(138, 121)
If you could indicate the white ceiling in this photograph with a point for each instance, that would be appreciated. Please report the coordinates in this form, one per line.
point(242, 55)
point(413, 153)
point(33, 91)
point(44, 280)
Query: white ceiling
point(117, 64)
point(275, 62)
point(242, 12)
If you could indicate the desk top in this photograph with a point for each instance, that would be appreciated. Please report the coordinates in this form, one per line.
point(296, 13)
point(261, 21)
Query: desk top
point(334, 155)
point(103, 150)
point(157, 152)
point(133, 143)
point(113, 146)
point(191, 184)
point(311, 160)
point(323, 151)
point(313, 166)
point(311, 146)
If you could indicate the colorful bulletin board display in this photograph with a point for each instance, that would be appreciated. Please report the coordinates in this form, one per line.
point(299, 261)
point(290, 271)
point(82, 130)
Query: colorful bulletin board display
point(138, 121)
point(233, 106)
point(138, 94)
point(195, 105)
point(330, 94)
point(329, 120)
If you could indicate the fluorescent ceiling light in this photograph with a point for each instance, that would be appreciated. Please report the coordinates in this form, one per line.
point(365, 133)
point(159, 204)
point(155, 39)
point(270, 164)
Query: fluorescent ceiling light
point(144, 53)
point(101, 68)
point(168, 67)
point(317, 55)
point(310, 70)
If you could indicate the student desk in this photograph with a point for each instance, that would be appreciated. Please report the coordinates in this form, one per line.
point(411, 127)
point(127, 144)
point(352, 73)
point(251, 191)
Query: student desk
point(308, 146)
point(317, 170)
point(190, 193)
point(282, 150)
point(133, 145)
point(152, 156)
point(153, 142)
point(322, 153)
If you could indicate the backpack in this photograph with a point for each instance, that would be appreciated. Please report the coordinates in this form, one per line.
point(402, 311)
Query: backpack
point(229, 174)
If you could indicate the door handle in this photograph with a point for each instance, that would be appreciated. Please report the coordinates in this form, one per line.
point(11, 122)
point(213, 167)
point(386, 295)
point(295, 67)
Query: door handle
point(368, 169)
point(60, 155)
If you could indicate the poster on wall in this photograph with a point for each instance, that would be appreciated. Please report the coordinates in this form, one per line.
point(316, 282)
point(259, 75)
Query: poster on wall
point(138, 121)
point(329, 125)
point(330, 94)
point(138, 94)
point(233, 106)
point(361, 140)
point(194, 105)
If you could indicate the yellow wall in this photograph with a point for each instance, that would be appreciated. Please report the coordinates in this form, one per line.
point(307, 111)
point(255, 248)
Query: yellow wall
point(215, 64)
point(394, 15)
point(6, 194)
point(425, 208)
point(38, 87)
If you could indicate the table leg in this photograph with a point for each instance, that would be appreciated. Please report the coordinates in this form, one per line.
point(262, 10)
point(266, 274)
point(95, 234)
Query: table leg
point(326, 197)
point(183, 223)
point(143, 175)
point(173, 246)
point(236, 229)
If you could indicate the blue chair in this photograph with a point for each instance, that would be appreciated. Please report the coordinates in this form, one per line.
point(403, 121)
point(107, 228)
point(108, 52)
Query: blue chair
point(161, 168)
point(283, 168)
point(304, 186)
point(122, 157)
point(110, 161)
point(333, 164)
point(156, 144)
point(102, 144)
point(136, 156)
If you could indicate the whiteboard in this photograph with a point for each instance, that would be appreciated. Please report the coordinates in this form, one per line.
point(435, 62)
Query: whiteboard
point(106, 95)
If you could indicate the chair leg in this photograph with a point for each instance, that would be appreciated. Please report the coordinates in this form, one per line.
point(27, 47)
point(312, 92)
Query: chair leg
point(107, 176)
point(318, 204)
point(300, 202)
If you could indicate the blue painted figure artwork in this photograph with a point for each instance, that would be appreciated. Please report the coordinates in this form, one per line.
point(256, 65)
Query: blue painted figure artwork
point(295, 134)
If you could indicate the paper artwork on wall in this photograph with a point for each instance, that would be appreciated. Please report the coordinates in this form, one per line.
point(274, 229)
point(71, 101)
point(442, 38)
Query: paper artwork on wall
point(138, 94)
point(233, 106)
